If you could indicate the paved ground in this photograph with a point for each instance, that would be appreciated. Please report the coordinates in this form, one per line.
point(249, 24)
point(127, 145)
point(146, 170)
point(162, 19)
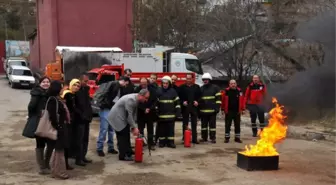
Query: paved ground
point(301, 162)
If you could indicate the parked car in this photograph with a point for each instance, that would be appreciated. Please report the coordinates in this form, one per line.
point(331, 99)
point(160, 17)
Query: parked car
point(20, 76)
point(14, 61)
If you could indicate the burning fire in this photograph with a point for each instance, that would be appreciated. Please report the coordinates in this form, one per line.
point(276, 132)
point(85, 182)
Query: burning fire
point(273, 133)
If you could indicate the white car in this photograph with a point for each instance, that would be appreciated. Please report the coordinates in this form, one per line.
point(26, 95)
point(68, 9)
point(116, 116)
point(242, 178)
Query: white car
point(20, 76)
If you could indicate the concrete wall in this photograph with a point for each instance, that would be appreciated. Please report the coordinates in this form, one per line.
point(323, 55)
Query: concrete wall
point(104, 23)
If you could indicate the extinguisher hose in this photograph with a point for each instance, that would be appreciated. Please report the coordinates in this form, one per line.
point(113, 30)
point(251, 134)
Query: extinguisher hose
point(148, 143)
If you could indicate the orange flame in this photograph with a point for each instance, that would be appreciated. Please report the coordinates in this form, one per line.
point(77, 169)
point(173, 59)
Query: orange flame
point(273, 133)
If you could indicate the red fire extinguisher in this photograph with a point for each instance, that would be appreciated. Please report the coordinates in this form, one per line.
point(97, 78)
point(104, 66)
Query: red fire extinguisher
point(187, 138)
point(138, 149)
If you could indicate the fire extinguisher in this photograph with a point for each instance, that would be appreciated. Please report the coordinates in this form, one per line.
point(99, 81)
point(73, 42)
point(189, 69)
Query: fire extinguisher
point(187, 138)
point(138, 149)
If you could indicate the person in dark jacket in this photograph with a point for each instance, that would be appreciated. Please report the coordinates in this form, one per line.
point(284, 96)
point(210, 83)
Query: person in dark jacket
point(146, 112)
point(36, 105)
point(83, 119)
point(128, 88)
point(232, 106)
point(68, 96)
point(112, 97)
point(58, 116)
point(153, 81)
point(190, 94)
point(168, 110)
point(174, 79)
point(209, 106)
point(254, 98)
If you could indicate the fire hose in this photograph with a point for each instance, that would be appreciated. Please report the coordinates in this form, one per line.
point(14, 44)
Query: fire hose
point(149, 144)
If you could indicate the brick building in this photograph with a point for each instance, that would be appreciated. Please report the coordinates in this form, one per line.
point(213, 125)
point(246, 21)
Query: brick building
point(98, 23)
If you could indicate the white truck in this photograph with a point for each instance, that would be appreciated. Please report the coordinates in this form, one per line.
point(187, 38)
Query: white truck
point(160, 60)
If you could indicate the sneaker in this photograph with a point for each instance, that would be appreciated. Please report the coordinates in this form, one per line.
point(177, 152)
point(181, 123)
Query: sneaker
point(101, 153)
point(113, 151)
point(237, 140)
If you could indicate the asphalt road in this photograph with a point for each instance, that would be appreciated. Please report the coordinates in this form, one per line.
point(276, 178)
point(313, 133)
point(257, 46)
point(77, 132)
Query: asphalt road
point(301, 162)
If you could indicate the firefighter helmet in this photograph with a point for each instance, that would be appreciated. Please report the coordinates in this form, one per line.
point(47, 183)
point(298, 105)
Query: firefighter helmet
point(206, 76)
point(166, 78)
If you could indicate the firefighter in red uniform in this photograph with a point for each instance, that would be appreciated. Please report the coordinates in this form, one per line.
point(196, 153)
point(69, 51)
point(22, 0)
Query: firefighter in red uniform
point(254, 98)
point(232, 106)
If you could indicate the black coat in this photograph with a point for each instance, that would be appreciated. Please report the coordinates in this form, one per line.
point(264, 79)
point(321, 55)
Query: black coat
point(36, 105)
point(129, 89)
point(83, 105)
point(59, 124)
point(150, 104)
point(189, 94)
point(37, 101)
point(70, 103)
point(112, 93)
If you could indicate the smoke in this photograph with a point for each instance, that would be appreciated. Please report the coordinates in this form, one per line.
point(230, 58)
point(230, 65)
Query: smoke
point(310, 94)
point(76, 63)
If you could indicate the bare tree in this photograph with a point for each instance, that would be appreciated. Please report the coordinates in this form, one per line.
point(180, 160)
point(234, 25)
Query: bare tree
point(170, 23)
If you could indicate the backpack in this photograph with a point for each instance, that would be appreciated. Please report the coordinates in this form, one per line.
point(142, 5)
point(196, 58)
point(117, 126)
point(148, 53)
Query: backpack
point(100, 96)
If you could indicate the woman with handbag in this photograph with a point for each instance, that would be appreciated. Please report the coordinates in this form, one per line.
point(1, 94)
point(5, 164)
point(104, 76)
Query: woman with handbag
point(69, 97)
point(59, 117)
point(36, 105)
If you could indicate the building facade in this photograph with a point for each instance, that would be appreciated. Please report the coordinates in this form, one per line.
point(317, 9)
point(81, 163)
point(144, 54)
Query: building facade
point(98, 23)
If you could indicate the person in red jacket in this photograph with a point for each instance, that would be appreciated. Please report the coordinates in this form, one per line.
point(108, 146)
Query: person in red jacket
point(254, 98)
point(232, 106)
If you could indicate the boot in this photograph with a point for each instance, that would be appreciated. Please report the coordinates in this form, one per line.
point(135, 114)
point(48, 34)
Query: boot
point(48, 155)
point(227, 140)
point(40, 161)
point(237, 140)
point(255, 132)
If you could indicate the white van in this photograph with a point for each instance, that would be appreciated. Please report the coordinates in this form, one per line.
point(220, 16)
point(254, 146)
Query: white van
point(20, 76)
point(14, 61)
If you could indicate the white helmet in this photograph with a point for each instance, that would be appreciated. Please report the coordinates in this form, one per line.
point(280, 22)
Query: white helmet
point(166, 78)
point(206, 76)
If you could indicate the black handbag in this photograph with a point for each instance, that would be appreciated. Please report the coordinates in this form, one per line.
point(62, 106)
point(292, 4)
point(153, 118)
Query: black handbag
point(30, 127)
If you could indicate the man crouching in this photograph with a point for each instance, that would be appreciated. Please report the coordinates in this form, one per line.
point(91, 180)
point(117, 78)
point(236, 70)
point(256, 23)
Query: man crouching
point(122, 119)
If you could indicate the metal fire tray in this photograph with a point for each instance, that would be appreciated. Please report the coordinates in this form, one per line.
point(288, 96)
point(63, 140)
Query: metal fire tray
point(257, 163)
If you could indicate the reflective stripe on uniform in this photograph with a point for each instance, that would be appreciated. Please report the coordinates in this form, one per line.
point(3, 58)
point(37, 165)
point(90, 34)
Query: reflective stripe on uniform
point(166, 101)
point(218, 102)
point(227, 135)
point(208, 111)
point(204, 129)
point(171, 138)
point(208, 97)
point(177, 106)
point(212, 129)
point(177, 98)
point(218, 94)
point(237, 134)
point(167, 116)
point(162, 138)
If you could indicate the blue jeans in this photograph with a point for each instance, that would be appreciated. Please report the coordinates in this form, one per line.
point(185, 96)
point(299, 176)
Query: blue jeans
point(105, 128)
